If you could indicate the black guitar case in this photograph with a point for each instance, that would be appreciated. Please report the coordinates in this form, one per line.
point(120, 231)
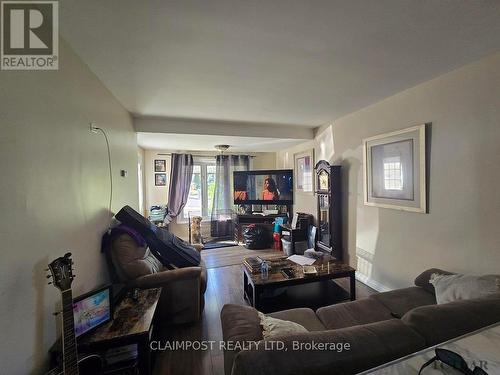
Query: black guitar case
point(169, 249)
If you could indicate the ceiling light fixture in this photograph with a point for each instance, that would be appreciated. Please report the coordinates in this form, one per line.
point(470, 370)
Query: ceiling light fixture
point(222, 148)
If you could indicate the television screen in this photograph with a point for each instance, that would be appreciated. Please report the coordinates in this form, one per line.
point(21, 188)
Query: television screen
point(263, 187)
point(92, 310)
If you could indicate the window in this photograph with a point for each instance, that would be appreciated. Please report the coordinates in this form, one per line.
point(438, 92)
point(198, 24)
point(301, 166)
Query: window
point(210, 187)
point(393, 173)
point(201, 193)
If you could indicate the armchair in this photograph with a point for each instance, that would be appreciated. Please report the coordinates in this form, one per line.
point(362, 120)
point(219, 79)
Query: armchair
point(182, 297)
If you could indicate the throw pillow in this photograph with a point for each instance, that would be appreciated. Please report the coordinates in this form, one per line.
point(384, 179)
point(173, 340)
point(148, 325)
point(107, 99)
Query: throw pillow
point(272, 327)
point(451, 288)
point(422, 280)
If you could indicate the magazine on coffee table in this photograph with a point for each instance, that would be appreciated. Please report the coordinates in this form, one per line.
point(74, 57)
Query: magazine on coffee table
point(301, 260)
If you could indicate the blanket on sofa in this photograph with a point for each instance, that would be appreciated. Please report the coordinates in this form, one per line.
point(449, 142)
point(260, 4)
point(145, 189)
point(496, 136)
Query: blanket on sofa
point(168, 248)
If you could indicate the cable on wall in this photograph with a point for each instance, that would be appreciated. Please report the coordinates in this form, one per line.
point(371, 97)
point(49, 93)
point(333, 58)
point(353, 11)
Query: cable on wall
point(95, 129)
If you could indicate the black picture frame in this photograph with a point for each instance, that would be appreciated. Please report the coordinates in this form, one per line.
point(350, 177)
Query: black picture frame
point(160, 179)
point(160, 165)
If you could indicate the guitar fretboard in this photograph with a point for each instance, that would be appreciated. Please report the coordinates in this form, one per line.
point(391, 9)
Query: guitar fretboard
point(70, 358)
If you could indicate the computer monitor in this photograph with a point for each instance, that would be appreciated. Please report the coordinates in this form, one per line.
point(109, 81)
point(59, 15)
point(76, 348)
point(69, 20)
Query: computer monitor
point(92, 310)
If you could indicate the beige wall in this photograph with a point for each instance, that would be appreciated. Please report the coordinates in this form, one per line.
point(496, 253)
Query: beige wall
point(264, 160)
point(54, 191)
point(460, 233)
point(155, 195)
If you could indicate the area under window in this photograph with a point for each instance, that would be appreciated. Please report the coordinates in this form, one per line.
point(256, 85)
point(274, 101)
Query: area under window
point(393, 173)
point(201, 193)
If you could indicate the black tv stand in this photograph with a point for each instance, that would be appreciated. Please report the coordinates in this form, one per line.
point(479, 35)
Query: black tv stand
point(244, 220)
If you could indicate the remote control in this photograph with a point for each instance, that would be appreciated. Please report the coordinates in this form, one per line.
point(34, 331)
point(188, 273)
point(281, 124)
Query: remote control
point(288, 273)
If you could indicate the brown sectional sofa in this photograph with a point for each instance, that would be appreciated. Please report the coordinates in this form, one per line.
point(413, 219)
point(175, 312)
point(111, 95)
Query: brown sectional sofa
point(379, 329)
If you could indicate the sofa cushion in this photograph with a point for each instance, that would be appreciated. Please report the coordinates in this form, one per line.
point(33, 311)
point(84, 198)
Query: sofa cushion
point(303, 316)
point(423, 279)
point(348, 314)
point(451, 288)
point(438, 323)
point(203, 276)
point(169, 249)
point(240, 324)
point(370, 345)
point(400, 301)
point(131, 260)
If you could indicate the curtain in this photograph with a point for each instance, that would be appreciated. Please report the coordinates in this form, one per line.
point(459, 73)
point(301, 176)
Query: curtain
point(223, 210)
point(181, 173)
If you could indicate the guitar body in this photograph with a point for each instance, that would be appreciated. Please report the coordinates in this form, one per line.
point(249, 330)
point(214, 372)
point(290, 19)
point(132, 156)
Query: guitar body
point(88, 365)
point(91, 364)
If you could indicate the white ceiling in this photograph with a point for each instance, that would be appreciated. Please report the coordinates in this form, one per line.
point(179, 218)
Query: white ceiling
point(280, 61)
point(193, 142)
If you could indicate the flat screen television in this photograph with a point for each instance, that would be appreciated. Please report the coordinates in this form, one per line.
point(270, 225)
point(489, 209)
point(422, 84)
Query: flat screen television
point(92, 310)
point(263, 187)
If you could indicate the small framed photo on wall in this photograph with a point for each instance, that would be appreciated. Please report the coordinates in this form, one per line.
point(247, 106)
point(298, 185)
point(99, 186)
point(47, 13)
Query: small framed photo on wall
point(160, 179)
point(160, 165)
point(304, 165)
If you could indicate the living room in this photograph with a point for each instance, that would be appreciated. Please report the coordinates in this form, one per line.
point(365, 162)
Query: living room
point(136, 82)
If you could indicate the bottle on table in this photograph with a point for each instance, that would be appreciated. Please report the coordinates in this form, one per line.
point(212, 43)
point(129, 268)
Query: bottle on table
point(264, 269)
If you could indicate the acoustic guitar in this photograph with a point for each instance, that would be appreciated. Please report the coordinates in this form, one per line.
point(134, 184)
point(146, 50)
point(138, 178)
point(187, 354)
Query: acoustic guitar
point(62, 276)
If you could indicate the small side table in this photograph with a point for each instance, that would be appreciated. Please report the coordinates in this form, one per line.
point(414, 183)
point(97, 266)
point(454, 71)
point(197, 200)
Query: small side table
point(133, 323)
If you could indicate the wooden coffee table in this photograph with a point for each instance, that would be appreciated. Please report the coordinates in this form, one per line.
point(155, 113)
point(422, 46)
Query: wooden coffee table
point(254, 285)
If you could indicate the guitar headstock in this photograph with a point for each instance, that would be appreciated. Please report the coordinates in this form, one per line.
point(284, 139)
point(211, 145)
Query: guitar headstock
point(61, 272)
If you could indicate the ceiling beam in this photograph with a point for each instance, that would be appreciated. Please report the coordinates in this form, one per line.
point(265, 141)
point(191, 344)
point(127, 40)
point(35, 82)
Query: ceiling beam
point(150, 124)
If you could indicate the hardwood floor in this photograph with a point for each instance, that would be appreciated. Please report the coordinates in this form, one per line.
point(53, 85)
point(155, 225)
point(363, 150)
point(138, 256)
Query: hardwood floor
point(231, 256)
point(224, 286)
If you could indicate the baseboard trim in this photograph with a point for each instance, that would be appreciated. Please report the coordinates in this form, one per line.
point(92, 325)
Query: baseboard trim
point(372, 283)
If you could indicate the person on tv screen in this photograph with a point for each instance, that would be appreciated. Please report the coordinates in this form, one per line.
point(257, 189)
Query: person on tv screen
point(240, 188)
point(270, 192)
point(240, 195)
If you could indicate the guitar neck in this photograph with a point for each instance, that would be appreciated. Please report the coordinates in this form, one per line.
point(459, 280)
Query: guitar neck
point(70, 357)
